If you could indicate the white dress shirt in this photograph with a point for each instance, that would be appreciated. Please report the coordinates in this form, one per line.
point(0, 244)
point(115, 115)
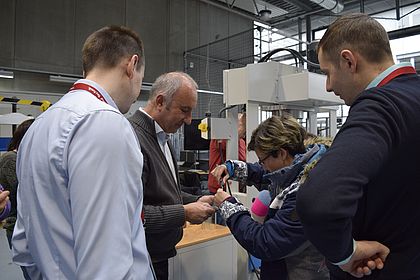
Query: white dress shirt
point(80, 193)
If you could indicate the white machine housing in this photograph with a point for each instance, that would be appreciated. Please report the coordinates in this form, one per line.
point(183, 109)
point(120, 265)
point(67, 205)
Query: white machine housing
point(273, 82)
point(218, 128)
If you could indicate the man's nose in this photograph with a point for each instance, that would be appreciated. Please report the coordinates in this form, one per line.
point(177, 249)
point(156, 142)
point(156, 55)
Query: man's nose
point(188, 118)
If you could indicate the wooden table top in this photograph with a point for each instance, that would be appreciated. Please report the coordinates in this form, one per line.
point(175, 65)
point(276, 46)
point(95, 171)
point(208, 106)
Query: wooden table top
point(194, 234)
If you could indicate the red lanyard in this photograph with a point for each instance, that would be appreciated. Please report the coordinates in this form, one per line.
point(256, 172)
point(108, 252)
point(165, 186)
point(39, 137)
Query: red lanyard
point(89, 89)
point(397, 72)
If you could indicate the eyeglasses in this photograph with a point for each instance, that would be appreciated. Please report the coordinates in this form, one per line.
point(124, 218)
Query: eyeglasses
point(261, 161)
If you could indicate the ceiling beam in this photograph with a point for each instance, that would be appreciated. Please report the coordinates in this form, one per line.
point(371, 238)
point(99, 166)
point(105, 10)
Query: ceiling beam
point(235, 10)
point(404, 32)
point(284, 21)
point(299, 4)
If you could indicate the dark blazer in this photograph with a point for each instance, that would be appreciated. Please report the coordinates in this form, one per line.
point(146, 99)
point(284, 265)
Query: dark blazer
point(367, 186)
point(163, 199)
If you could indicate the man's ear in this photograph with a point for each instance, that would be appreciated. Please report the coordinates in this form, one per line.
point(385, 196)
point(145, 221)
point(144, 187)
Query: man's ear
point(160, 101)
point(131, 66)
point(348, 60)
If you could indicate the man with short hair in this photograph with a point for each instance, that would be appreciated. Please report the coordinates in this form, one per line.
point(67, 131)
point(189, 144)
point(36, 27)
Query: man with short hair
point(166, 208)
point(366, 187)
point(79, 168)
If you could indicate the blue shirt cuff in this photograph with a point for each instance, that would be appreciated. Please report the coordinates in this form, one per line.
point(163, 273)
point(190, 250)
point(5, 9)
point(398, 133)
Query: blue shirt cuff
point(343, 262)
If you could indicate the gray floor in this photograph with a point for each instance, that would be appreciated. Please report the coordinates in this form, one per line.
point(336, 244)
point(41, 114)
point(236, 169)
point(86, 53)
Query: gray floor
point(8, 270)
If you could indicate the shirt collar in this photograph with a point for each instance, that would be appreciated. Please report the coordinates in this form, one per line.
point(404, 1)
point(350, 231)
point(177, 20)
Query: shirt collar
point(160, 133)
point(375, 82)
point(105, 94)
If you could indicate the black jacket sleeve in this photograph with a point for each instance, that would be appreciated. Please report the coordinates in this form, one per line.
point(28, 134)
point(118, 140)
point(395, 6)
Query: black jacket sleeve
point(329, 199)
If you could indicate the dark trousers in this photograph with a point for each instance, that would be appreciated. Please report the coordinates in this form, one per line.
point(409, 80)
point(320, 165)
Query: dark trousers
point(9, 235)
point(161, 270)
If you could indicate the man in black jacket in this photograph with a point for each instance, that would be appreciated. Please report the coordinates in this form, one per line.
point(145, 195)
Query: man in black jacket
point(166, 208)
point(366, 187)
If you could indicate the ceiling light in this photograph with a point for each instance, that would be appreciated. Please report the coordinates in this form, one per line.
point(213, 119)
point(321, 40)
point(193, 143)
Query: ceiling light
point(265, 15)
point(335, 6)
point(6, 74)
point(63, 79)
point(146, 86)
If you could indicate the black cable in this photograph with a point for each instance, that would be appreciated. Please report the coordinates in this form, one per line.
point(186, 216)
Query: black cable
point(310, 63)
point(224, 109)
point(222, 160)
point(228, 187)
point(296, 55)
point(271, 53)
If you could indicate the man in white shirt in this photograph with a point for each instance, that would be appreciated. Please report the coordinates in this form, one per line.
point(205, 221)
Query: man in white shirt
point(79, 169)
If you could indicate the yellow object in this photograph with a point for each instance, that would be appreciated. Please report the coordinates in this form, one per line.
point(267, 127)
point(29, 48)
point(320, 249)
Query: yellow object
point(203, 127)
point(45, 105)
point(24, 102)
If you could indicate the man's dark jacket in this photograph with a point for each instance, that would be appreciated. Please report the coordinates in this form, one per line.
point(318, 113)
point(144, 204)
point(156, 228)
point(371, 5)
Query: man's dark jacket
point(163, 199)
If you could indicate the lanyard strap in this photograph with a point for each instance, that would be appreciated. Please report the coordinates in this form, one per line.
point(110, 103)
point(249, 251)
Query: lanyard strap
point(397, 72)
point(89, 89)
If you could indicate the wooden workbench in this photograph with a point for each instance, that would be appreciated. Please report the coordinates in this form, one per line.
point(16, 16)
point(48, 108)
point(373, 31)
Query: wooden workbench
point(194, 234)
point(206, 251)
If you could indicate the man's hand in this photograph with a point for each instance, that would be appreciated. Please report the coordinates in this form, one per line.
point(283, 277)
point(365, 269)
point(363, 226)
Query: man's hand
point(369, 255)
point(207, 199)
point(198, 212)
point(4, 198)
point(221, 173)
point(220, 196)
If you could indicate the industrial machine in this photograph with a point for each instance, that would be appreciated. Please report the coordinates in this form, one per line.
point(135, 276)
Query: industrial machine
point(271, 85)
